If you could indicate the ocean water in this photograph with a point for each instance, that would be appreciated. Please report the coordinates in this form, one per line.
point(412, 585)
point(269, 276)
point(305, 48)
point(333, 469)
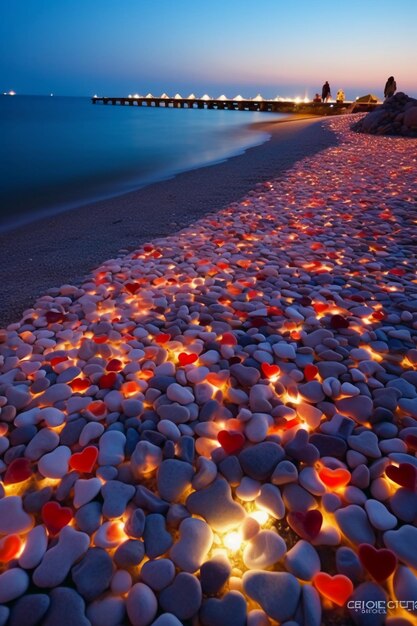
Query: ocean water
point(57, 153)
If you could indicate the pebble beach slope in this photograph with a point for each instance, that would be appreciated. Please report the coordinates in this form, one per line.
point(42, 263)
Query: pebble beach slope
point(220, 428)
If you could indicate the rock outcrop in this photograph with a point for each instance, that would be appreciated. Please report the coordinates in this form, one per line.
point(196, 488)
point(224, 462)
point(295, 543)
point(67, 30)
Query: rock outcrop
point(397, 116)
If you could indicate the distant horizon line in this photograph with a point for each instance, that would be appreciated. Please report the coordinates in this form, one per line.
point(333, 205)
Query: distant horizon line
point(13, 93)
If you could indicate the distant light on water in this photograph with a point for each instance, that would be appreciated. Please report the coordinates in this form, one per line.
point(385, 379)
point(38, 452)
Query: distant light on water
point(9, 93)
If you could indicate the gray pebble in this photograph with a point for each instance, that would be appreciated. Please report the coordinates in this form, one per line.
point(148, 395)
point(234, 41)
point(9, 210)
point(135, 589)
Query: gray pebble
point(173, 478)
point(311, 606)
point(230, 610)
point(231, 470)
point(116, 495)
point(29, 609)
point(59, 559)
point(129, 554)
point(302, 560)
point(67, 608)
point(347, 563)
point(88, 517)
point(404, 505)
point(354, 523)
point(158, 574)
point(260, 460)
point(108, 611)
point(92, 575)
point(399, 541)
point(157, 539)
point(214, 574)
point(135, 523)
point(183, 597)
point(277, 593)
point(216, 505)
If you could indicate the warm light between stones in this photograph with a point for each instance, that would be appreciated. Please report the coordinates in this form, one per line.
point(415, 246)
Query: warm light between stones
point(232, 541)
point(260, 516)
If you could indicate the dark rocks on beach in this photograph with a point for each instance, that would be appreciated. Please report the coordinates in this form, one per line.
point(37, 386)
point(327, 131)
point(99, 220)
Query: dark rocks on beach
point(397, 116)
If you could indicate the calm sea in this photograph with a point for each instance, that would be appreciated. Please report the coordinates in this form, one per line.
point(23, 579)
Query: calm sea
point(57, 153)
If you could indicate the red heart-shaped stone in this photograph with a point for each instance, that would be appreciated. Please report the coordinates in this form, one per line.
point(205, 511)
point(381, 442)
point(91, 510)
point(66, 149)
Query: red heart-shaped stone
point(397, 271)
point(310, 371)
point(230, 442)
point(335, 588)
point(338, 321)
point(55, 516)
point(334, 478)
point(379, 563)
point(378, 315)
point(187, 359)
point(107, 381)
point(228, 339)
point(306, 525)
point(320, 307)
point(162, 337)
point(84, 461)
point(97, 408)
point(53, 317)
point(114, 365)
point(270, 370)
point(57, 360)
point(132, 288)
point(405, 475)
point(10, 548)
point(18, 471)
point(79, 384)
point(411, 441)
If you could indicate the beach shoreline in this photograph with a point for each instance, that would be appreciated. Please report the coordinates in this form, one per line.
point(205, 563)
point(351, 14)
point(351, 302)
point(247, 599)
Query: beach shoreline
point(64, 248)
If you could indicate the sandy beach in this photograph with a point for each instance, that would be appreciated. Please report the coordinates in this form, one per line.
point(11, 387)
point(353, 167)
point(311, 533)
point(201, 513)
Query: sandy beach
point(219, 427)
point(64, 248)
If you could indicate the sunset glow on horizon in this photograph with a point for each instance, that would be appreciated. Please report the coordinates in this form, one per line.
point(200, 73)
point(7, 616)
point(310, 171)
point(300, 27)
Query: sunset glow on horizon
point(277, 49)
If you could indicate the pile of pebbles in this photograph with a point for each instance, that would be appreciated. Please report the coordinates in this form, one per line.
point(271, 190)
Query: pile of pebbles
point(221, 427)
point(397, 116)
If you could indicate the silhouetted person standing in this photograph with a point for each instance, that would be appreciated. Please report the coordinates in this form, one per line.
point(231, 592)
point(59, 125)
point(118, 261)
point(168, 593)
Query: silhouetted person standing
point(390, 87)
point(325, 92)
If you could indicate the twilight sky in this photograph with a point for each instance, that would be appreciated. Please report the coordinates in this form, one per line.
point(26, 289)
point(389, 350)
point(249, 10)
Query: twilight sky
point(116, 47)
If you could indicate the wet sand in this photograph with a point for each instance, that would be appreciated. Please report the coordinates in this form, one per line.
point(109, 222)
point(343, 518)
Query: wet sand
point(64, 248)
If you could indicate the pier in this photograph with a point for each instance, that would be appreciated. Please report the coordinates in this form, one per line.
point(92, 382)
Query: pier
point(237, 104)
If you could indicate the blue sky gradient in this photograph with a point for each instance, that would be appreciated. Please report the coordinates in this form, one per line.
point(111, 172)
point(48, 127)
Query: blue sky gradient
point(109, 47)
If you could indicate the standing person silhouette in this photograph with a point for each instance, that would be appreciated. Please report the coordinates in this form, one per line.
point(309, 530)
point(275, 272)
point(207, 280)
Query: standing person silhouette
point(325, 92)
point(390, 87)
